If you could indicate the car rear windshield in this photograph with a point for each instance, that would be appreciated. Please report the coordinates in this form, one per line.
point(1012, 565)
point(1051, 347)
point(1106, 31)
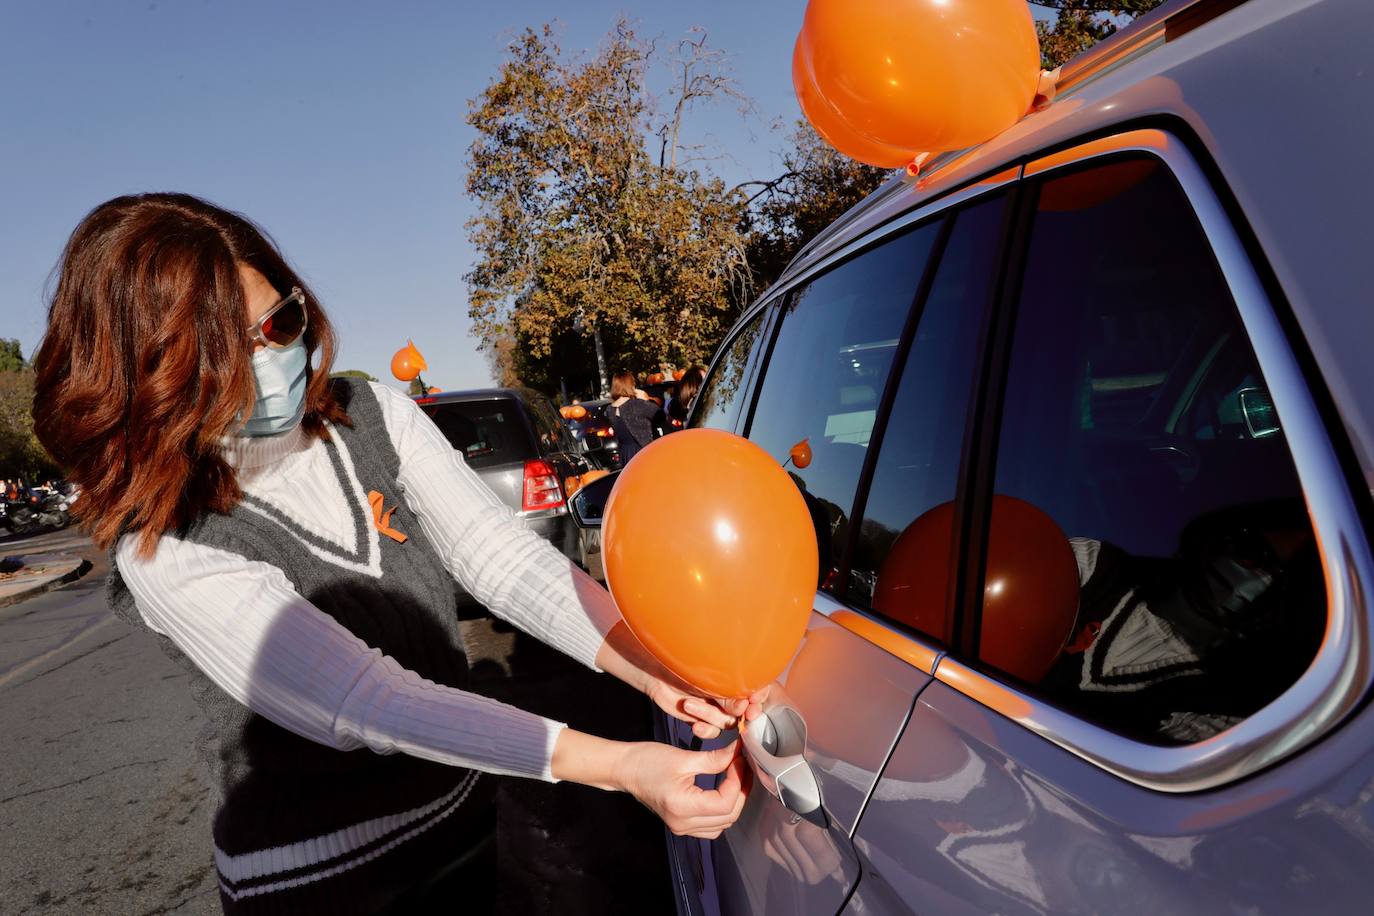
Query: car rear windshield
point(488, 433)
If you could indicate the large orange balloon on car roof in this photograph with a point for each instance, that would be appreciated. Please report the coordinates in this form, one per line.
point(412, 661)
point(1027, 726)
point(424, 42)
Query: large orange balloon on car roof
point(922, 74)
point(726, 606)
point(407, 363)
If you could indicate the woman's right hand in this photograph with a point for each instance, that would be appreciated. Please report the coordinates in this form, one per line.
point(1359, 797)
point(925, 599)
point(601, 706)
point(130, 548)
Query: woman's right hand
point(663, 778)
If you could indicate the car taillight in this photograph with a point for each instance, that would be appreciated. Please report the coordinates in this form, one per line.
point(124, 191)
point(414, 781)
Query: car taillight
point(541, 486)
point(604, 433)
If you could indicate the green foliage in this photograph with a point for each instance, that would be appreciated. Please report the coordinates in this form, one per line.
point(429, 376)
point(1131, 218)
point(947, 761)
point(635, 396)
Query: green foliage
point(353, 373)
point(20, 453)
point(11, 355)
point(580, 229)
point(817, 185)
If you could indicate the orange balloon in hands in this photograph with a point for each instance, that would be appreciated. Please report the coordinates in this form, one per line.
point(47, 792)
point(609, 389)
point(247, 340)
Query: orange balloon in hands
point(922, 74)
point(727, 607)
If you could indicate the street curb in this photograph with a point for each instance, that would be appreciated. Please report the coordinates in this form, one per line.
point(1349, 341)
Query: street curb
point(48, 586)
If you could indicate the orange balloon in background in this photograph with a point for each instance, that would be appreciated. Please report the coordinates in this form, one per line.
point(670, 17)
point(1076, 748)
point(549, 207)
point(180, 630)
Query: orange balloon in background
point(1030, 588)
point(678, 374)
point(589, 476)
point(407, 363)
point(727, 606)
point(1086, 190)
point(831, 126)
point(923, 74)
point(801, 454)
point(577, 411)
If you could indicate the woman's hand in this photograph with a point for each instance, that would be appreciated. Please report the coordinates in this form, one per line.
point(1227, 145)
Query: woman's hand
point(662, 777)
point(623, 655)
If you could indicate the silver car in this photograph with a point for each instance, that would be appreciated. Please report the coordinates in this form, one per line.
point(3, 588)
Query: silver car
point(1091, 411)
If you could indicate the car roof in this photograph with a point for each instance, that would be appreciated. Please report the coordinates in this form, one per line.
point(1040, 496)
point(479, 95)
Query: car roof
point(1272, 96)
point(480, 394)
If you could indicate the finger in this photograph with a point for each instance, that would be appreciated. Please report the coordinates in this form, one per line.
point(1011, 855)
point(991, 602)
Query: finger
point(717, 760)
point(735, 706)
point(705, 731)
point(708, 712)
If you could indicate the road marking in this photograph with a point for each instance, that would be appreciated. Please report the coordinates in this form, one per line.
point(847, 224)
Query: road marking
point(31, 663)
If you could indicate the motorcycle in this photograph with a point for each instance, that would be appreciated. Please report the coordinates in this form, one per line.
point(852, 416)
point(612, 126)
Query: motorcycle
point(34, 512)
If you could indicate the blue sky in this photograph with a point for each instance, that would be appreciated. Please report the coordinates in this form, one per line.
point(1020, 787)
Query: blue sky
point(338, 126)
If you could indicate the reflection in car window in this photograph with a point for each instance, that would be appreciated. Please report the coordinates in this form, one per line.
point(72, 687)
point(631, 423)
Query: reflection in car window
point(1137, 436)
point(918, 465)
point(826, 374)
point(718, 404)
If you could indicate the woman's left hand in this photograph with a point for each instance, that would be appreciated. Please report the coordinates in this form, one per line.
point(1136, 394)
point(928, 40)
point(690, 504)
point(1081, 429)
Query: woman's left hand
point(623, 655)
point(709, 716)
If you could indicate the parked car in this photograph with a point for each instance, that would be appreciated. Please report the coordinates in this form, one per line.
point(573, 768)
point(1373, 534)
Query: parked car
point(516, 442)
point(1140, 316)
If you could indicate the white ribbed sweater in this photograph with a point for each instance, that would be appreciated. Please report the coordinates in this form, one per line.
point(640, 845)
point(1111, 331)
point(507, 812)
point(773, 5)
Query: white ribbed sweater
point(317, 679)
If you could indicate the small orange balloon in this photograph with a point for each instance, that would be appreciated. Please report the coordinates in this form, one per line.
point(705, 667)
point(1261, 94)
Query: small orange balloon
point(924, 74)
point(801, 454)
point(571, 485)
point(831, 126)
point(678, 374)
point(589, 476)
point(577, 411)
point(727, 612)
point(1030, 593)
point(407, 363)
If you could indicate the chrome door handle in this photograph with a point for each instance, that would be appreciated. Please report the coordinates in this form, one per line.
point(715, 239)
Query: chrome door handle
point(775, 742)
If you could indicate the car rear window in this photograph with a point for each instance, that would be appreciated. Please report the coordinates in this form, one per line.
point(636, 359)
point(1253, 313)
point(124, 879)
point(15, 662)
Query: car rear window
point(487, 433)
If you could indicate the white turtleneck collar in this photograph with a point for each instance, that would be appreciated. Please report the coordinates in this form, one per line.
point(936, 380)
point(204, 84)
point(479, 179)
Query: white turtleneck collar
point(246, 453)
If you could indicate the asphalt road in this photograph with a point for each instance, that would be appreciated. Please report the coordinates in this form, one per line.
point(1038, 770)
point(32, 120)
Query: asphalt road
point(102, 798)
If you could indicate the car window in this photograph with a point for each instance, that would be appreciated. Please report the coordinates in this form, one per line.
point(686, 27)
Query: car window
point(826, 374)
point(917, 468)
point(553, 435)
point(487, 433)
point(719, 402)
point(1150, 564)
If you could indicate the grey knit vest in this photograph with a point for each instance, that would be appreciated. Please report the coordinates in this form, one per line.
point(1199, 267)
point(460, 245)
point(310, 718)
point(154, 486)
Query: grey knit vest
point(304, 826)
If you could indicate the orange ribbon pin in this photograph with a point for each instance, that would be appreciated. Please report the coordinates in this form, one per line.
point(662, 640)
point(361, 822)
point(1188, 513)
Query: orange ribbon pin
point(382, 520)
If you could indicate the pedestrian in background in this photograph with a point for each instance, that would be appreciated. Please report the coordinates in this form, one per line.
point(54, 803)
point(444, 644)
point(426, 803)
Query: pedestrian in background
point(631, 414)
point(684, 395)
point(294, 540)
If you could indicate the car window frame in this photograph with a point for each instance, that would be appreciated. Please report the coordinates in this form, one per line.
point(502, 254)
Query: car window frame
point(1340, 674)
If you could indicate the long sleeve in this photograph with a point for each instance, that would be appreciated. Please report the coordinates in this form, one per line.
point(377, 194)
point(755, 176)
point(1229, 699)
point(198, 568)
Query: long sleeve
point(265, 645)
point(517, 574)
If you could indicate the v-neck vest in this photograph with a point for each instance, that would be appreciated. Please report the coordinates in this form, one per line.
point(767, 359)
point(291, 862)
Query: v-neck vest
point(293, 814)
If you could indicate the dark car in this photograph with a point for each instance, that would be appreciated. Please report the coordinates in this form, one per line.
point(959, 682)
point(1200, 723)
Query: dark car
point(1125, 332)
point(595, 437)
point(520, 448)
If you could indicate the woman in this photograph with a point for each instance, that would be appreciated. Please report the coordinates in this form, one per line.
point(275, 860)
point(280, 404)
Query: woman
point(293, 542)
point(631, 414)
point(684, 395)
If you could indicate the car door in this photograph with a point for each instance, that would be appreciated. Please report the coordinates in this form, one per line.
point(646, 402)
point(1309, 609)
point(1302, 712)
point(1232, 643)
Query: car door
point(1146, 436)
point(915, 299)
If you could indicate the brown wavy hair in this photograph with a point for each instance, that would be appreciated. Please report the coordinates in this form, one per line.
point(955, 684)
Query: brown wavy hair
point(145, 365)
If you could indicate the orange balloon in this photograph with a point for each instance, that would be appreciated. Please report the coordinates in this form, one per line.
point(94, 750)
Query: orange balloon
point(830, 125)
point(571, 485)
point(727, 611)
point(589, 476)
point(678, 374)
point(801, 454)
point(1030, 593)
point(577, 411)
point(407, 363)
point(924, 74)
point(1086, 190)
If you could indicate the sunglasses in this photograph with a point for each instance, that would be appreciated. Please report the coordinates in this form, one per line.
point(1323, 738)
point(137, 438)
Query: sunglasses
point(283, 324)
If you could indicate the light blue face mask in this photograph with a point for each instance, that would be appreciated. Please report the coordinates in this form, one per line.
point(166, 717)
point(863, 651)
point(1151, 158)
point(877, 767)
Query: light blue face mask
point(279, 378)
